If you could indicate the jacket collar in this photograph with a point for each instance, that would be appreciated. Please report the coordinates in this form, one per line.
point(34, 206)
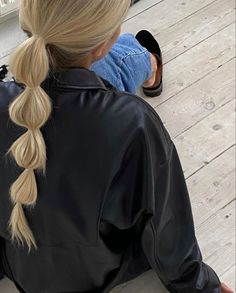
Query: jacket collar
point(75, 78)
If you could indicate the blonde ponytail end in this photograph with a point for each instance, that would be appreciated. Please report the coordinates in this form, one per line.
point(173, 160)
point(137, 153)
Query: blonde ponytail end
point(18, 226)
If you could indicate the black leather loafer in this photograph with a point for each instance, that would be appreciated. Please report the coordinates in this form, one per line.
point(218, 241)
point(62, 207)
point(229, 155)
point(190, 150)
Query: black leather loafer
point(147, 40)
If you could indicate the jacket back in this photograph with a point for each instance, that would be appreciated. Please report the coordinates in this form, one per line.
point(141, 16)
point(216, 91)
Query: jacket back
point(86, 137)
point(113, 188)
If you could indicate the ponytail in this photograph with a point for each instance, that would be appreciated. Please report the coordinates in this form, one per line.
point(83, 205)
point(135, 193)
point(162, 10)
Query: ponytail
point(29, 64)
point(61, 33)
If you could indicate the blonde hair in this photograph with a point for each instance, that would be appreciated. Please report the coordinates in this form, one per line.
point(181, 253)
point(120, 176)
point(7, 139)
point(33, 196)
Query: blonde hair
point(62, 32)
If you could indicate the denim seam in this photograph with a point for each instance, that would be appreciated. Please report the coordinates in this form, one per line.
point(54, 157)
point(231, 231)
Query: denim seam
point(125, 57)
point(121, 85)
point(131, 55)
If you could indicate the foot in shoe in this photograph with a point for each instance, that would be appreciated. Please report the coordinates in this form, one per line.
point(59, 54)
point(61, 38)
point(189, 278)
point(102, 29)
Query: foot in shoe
point(152, 80)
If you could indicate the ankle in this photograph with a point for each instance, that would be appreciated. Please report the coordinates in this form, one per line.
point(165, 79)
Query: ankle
point(151, 81)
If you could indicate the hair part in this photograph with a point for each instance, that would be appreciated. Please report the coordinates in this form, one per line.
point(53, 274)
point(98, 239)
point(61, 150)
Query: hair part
point(61, 33)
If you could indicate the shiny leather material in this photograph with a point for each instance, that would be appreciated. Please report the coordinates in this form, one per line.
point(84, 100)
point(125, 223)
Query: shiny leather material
point(114, 201)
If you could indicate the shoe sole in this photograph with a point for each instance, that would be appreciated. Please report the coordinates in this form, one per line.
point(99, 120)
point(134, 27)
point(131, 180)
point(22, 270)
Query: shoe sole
point(152, 93)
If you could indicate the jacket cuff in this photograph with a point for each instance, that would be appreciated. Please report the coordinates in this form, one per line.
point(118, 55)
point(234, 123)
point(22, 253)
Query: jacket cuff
point(214, 280)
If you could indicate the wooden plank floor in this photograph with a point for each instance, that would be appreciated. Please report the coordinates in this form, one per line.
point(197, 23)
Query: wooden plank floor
point(198, 108)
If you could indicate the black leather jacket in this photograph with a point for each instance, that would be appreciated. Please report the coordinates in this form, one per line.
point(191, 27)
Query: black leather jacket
point(114, 201)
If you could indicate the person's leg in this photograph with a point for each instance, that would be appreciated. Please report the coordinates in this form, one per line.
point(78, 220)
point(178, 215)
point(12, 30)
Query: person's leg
point(127, 66)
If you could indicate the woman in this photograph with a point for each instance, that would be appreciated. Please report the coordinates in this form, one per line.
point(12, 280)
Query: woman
point(92, 190)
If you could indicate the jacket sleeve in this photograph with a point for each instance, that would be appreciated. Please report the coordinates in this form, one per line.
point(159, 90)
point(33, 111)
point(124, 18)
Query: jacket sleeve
point(151, 182)
point(168, 238)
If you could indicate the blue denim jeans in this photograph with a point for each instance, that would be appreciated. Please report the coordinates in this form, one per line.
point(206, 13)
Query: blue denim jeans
point(126, 66)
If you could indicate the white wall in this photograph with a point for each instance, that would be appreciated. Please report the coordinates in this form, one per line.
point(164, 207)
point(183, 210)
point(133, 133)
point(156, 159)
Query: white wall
point(10, 36)
point(8, 6)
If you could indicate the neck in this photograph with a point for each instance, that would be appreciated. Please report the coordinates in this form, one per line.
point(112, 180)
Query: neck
point(85, 63)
